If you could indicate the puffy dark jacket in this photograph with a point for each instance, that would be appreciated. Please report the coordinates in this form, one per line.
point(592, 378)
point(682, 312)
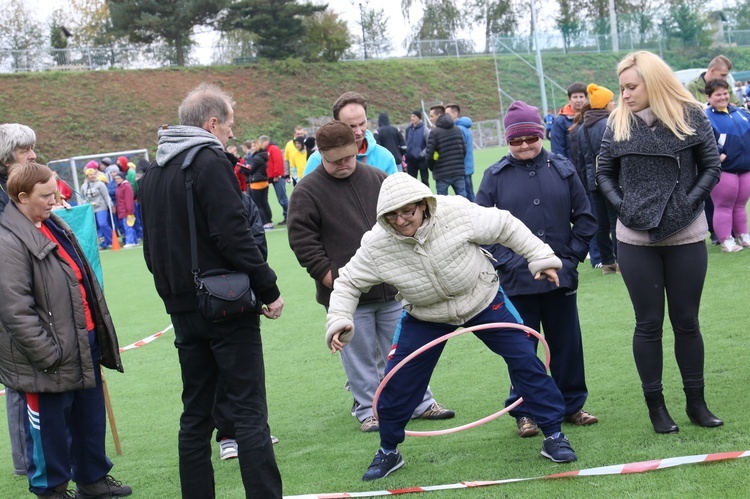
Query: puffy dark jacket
point(547, 196)
point(655, 181)
point(44, 340)
point(446, 139)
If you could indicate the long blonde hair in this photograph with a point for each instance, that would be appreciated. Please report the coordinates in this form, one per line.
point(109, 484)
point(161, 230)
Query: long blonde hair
point(666, 96)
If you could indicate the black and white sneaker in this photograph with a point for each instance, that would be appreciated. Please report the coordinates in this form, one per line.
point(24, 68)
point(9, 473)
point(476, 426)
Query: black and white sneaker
point(383, 465)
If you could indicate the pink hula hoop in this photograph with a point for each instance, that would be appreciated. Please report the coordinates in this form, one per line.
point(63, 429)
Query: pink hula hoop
point(424, 348)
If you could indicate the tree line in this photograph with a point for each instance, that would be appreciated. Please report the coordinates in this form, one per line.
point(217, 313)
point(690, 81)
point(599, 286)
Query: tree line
point(281, 29)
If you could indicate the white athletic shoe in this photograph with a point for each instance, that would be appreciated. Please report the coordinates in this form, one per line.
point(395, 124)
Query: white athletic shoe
point(228, 449)
point(729, 245)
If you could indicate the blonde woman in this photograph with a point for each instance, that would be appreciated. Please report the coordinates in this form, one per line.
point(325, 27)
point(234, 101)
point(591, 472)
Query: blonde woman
point(658, 163)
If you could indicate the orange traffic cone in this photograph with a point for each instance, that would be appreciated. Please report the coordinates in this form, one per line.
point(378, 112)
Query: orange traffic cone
point(115, 240)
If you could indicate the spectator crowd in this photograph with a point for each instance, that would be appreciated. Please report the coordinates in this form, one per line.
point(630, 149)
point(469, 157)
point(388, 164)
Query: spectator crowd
point(634, 180)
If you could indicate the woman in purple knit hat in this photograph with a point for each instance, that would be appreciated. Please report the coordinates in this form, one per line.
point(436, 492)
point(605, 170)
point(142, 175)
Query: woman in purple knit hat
point(543, 191)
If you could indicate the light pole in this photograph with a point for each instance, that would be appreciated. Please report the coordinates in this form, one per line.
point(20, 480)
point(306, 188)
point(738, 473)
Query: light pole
point(539, 67)
point(362, 4)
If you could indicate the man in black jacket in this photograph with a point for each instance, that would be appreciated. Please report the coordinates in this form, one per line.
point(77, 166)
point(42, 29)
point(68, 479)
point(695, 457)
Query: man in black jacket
point(390, 137)
point(447, 141)
point(208, 350)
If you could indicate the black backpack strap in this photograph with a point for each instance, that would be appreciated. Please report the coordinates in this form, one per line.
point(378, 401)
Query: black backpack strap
point(191, 208)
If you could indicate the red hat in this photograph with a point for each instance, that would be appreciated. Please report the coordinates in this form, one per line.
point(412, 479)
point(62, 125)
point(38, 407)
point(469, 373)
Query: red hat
point(122, 162)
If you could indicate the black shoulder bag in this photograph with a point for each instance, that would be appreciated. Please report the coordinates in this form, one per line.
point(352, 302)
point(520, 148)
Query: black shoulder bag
point(222, 294)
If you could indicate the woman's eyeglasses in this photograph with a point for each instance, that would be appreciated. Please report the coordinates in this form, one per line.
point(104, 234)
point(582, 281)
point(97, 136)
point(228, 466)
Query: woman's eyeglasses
point(528, 140)
point(406, 214)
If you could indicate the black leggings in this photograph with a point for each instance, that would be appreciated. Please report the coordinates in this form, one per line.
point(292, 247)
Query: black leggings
point(260, 198)
point(648, 271)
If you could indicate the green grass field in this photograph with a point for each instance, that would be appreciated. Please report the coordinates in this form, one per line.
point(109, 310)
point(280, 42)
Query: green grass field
point(322, 449)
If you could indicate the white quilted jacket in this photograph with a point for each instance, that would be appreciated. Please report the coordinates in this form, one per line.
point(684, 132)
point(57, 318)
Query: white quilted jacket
point(441, 273)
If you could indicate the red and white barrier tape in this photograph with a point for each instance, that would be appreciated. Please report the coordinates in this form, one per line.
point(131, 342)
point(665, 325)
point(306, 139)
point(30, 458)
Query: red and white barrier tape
point(137, 344)
point(145, 341)
point(617, 469)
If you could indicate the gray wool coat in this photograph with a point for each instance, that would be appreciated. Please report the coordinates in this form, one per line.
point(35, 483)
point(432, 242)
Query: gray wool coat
point(655, 181)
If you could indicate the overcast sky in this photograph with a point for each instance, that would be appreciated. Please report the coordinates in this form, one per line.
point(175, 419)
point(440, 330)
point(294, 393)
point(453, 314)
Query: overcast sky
point(349, 10)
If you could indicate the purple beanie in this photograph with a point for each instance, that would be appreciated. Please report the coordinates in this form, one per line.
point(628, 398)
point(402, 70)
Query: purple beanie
point(523, 120)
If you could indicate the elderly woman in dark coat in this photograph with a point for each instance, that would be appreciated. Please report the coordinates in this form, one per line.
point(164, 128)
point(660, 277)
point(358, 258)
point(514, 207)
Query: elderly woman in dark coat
point(55, 332)
point(657, 165)
point(545, 193)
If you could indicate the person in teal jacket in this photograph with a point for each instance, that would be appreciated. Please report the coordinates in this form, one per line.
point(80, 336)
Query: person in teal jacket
point(464, 124)
point(351, 108)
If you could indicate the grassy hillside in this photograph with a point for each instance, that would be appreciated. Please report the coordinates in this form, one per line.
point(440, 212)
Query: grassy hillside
point(89, 112)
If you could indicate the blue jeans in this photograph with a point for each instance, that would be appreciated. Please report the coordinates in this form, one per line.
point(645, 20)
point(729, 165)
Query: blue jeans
point(233, 351)
point(279, 185)
point(594, 254)
point(469, 188)
point(458, 183)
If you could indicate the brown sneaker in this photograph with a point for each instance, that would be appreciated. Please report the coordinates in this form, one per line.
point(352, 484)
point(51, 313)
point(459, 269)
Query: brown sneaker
point(581, 418)
point(102, 489)
point(610, 269)
point(436, 411)
point(370, 424)
point(526, 427)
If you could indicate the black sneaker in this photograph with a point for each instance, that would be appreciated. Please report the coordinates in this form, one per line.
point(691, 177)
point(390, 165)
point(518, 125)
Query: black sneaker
point(557, 448)
point(383, 465)
point(61, 492)
point(103, 489)
point(283, 222)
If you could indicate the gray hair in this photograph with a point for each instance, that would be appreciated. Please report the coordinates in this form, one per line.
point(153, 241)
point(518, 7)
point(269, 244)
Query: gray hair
point(13, 135)
point(203, 103)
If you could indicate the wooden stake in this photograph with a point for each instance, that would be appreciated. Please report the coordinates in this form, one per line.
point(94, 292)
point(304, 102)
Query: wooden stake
point(111, 415)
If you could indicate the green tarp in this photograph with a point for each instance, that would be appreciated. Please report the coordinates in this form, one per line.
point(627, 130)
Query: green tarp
point(81, 220)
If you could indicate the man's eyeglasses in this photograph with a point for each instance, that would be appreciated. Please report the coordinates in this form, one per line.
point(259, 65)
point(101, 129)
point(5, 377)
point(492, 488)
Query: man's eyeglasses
point(406, 214)
point(528, 140)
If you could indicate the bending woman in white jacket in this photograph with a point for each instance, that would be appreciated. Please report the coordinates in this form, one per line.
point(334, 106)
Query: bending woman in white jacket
point(428, 247)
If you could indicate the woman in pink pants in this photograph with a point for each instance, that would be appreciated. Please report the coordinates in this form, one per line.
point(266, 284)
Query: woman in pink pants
point(732, 131)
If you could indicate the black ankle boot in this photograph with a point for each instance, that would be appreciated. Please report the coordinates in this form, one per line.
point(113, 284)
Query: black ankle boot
point(697, 411)
point(657, 411)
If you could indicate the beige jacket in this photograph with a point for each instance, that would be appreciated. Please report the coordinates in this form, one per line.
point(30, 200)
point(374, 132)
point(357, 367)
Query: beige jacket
point(442, 274)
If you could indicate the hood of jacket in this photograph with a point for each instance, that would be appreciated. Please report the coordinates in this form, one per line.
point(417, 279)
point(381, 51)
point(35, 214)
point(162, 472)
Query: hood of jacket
point(383, 119)
point(178, 138)
point(444, 121)
point(399, 190)
point(464, 121)
point(593, 116)
point(371, 144)
point(567, 111)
